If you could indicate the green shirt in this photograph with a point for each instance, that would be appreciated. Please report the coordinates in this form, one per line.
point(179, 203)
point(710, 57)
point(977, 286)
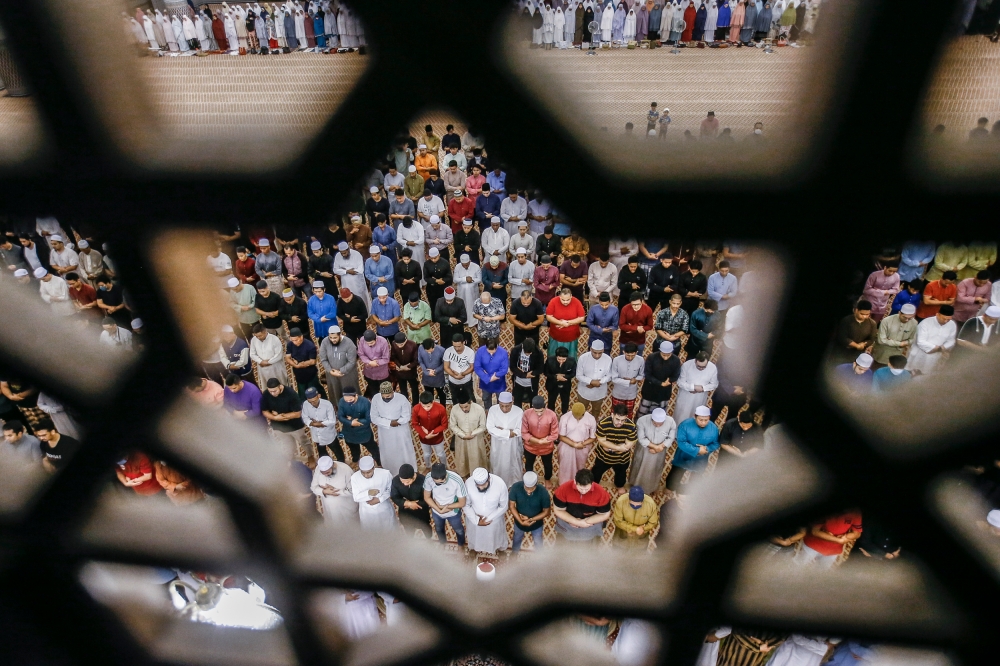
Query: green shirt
point(529, 505)
point(418, 315)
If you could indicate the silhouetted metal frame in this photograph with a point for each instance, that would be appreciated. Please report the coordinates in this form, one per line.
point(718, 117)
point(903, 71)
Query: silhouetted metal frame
point(858, 194)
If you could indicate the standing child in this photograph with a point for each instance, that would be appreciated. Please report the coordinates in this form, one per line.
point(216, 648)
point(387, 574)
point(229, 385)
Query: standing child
point(664, 123)
point(651, 117)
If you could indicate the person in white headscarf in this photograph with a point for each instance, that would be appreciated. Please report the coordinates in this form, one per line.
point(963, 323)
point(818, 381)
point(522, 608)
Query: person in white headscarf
point(371, 487)
point(666, 23)
point(485, 527)
point(230, 20)
point(468, 277)
point(607, 17)
point(331, 483)
point(178, 29)
point(503, 422)
point(628, 33)
point(559, 27)
point(711, 20)
point(548, 26)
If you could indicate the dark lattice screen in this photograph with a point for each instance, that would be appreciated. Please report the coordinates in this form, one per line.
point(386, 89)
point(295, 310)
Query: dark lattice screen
point(858, 192)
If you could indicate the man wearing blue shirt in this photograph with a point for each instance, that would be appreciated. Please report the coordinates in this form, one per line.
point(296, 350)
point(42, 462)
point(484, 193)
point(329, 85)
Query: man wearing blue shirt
point(379, 270)
point(856, 377)
point(491, 365)
point(697, 439)
point(910, 295)
point(498, 181)
point(602, 320)
point(385, 313)
point(723, 286)
point(487, 206)
point(891, 376)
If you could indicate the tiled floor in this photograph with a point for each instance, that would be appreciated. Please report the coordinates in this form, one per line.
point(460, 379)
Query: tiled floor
point(965, 87)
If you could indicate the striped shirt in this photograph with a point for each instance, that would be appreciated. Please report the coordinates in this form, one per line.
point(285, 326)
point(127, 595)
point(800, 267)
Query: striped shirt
point(739, 649)
point(626, 432)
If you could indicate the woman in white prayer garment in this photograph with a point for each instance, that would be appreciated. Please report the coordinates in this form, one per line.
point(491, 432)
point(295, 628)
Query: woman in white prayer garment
point(485, 527)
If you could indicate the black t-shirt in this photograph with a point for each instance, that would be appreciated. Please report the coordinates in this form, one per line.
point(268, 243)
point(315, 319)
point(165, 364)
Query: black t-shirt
point(60, 454)
point(527, 314)
point(331, 239)
point(283, 403)
point(112, 297)
point(356, 308)
point(270, 303)
point(297, 308)
point(407, 271)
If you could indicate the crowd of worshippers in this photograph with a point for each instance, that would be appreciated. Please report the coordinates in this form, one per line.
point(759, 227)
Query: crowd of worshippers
point(319, 27)
point(924, 307)
point(713, 23)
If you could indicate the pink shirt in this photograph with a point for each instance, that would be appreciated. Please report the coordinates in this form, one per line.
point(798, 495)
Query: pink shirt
point(577, 430)
point(546, 283)
point(378, 352)
point(544, 427)
point(876, 284)
point(965, 303)
point(474, 185)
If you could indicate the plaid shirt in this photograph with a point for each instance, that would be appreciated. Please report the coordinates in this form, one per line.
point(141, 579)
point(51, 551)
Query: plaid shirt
point(672, 323)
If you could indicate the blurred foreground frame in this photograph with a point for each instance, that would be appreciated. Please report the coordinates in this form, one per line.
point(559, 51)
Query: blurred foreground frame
point(89, 176)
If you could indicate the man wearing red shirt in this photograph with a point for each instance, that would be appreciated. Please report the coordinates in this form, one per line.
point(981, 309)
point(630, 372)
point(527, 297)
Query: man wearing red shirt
point(135, 471)
point(825, 541)
point(245, 267)
point(430, 420)
point(460, 208)
point(84, 296)
point(581, 507)
point(565, 314)
point(539, 432)
point(634, 320)
point(938, 293)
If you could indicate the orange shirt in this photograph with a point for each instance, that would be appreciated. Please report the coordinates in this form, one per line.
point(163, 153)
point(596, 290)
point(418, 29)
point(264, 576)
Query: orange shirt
point(424, 164)
point(938, 292)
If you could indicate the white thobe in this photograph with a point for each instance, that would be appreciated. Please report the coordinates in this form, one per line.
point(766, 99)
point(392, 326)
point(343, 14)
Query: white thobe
point(491, 505)
point(506, 452)
point(800, 650)
point(358, 618)
point(636, 644)
point(271, 350)
point(356, 283)
point(338, 510)
point(325, 413)
point(468, 291)
point(647, 468)
point(415, 234)
point(930, 334)
point(589, 369)
point(394, 442)
point(91, 266)
point(47, 227)
point(687, 399)
point(379, 516)
point(64, 422)
point(518, 272)
point(527, 241)
point(602, 279)
point(509, 209)
point(710, 651)
point(55, 292)
point(495, 242)
point(64, 259)
point(620, 250)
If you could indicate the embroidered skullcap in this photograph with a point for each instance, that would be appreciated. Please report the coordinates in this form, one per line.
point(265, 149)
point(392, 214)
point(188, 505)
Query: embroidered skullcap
point(342, 245)
point(666, 347)
point(465, 259)
point(864, 360)
point(659, 415)
point(382, 291)
point(324, 463)
point(529, 479)
point(40, 272)
point(480, 475)
point(908, 309)
point(316, 245)
point(433, 252)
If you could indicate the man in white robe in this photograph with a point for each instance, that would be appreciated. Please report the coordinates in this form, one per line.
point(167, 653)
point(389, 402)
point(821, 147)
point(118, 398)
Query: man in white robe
point(412, 237)
point(620, 250)
point(657, 432)
point(371, 486)
point(801, 650)
point(54, 291)
point(349, 266)
point(468, 277)
point(332, 484)
point(268, 353)
point(358, 613)
point(390, 413)
point(495, 241)
point(503, 422)
point(520, 274)
point(637, 644)
point(936, 338)
point(485, 527)
point(320, 417)
point(698, 378)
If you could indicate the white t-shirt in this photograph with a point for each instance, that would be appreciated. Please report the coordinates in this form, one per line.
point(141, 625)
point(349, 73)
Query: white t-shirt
point(448, 492)
point(460, 363)
point(220, 263)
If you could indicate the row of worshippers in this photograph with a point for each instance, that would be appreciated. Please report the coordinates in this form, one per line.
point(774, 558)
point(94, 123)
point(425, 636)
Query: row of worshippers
point(564, 25)
point(252, 28)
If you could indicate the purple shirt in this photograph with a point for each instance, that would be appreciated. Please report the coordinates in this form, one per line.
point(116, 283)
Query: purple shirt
point(874, 287)
point(247, 400)
point(378, 352)
point(965, 304)
point(851, 380)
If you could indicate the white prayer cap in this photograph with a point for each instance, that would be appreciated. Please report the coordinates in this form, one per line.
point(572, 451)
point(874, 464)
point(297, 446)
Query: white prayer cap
point(480, 475)
point(373, 189)
point(993, 311)
point(457, 193)
point(993, 517)
point(506, 397)
point(864, 360)
point(136, 323)
point(423, 145)
point(324, 463)
point(56, 238)
point(382, 291)
point(597, 345)
point(530, 479)
point(668, 111)
point(366, 463)
point(659, 415)
point(318, 284)
point(20, 273)
point(342, 245)
point(263, 242)
point(666, 347)
point(316, 245)
point(233, 283)
point(433, 252)
point(521, 251)
point(908, 309)
point(288, 292)
point(334, 329)
point(465, 259)
point(374, 249)
point(522, 223)
point(435, 219)
point(411, 168)
point(83, 244)
point(226, 328)
point(40, 272)
point(355, 217)
point(702, 411)
point(467, 223)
